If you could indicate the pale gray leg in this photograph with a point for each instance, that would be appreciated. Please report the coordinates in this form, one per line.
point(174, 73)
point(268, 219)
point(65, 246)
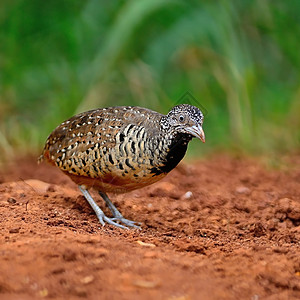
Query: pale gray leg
point(99, 213)
point(117, 215)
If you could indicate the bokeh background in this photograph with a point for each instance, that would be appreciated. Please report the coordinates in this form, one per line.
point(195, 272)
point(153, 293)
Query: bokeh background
point(240, 59)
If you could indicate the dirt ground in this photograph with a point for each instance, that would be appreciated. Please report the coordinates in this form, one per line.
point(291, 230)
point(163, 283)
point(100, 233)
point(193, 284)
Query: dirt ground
point(220, 228)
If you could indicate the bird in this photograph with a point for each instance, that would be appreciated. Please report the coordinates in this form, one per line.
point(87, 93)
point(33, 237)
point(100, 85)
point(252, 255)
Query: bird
point(120, 149)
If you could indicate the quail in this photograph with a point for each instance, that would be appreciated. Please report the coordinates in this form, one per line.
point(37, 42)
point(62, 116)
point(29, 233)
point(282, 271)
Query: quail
point(120, 149)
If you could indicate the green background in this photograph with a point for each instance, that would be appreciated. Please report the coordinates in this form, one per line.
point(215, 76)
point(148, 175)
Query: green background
point(239, 59)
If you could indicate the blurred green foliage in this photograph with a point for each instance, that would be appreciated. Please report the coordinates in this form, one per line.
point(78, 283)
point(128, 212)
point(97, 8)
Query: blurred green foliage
point(240, 59)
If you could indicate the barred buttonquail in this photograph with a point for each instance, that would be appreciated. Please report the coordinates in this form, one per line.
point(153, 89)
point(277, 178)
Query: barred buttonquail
point(119, 149)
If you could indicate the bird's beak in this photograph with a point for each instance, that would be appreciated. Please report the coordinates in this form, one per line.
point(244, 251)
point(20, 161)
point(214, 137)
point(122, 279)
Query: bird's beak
point(196, 131)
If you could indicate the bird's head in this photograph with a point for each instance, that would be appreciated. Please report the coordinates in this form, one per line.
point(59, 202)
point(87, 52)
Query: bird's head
point(185, 118)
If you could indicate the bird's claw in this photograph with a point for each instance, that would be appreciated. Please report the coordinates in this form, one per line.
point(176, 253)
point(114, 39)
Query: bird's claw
point(104, 219)
point(127, 222)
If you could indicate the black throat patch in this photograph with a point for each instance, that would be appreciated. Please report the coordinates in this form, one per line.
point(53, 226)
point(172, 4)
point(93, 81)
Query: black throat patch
point(176, 152)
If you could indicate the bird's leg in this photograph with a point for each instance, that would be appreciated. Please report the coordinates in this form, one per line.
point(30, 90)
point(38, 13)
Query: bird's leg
point(117, 215)
point(99, 213)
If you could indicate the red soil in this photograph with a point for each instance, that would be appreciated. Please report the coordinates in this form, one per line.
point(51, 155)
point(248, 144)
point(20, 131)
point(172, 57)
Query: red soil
point(217, 229)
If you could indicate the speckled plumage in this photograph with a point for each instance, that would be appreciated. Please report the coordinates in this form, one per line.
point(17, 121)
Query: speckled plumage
point(119, 149)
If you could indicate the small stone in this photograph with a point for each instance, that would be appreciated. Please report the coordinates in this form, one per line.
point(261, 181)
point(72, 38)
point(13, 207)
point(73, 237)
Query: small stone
point(243, 190)
point(290, 207)
point(187, 195)
point(146, 244)
point(294, 214)
point(43, 293)
point(284, 204)
point(87, 279)
point(145, 284)
point(11, 200)
point(150, 205)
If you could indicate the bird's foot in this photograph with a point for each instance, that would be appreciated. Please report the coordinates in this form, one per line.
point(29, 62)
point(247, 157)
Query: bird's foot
point(100, 214)
point(117, 216)
point(127, 222)
point(103, 218)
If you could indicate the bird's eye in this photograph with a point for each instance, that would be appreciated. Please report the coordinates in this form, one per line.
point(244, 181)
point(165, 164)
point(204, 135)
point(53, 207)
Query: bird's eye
point(181, 118)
